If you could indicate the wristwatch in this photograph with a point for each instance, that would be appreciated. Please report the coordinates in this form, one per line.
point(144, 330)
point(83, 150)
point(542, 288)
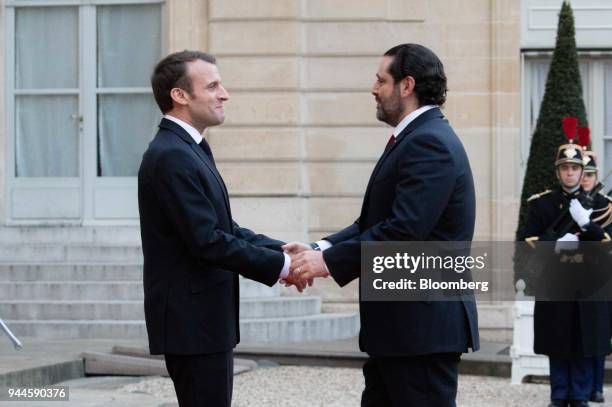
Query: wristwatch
point(314, 246)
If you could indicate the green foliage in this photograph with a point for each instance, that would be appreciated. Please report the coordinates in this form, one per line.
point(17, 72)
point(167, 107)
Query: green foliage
point(562, 97)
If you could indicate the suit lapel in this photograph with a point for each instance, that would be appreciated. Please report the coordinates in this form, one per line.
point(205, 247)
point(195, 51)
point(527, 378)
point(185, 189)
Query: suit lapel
point(178, 130)
point(431, 113)
point(200, 153)
point(379, 164)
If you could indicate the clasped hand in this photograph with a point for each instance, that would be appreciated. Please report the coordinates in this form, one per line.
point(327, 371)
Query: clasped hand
point(580, 214)
point(306, 265)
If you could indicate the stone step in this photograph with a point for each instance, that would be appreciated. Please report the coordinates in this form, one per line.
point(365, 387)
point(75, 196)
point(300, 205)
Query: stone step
point(273, 307)
point(70, 272)
point(71, 290)
point(70, 234)
point(104, 290)
point(84, 273)
point(279, 307)
point(270, 330)
point(253, 289)
point(70, 253)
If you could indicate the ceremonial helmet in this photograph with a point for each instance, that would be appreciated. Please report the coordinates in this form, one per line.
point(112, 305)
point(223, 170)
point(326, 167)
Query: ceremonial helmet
point(570, 152)
point(589, 161)
point(589, 158)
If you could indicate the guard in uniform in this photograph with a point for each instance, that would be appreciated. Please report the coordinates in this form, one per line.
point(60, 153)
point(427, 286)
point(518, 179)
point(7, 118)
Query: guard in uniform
point(589, 180)
point(570, 333)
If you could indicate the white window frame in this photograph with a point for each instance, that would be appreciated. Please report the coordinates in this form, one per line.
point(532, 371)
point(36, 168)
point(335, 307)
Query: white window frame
point(594, 104)
point(608, 136)
point(87, 93)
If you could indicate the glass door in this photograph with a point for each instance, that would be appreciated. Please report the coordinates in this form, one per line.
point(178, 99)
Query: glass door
point(127, 46)
point(43, 117)
point(80, 111)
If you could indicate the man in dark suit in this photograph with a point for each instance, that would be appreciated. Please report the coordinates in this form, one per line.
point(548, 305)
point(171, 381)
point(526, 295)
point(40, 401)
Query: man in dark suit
point(193, 250)
point(420, 190)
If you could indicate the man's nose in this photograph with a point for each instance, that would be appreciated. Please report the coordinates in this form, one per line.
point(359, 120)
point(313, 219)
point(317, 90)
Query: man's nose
point(223, 95)
point(374, 89)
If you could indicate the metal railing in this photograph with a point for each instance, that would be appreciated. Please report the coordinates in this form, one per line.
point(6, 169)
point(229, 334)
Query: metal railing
point(11, 336)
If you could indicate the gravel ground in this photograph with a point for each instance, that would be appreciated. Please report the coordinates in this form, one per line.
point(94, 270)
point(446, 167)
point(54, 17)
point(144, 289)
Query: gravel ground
point(340, 387)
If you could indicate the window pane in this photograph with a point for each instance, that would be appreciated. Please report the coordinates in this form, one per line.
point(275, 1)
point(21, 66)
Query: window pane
point(129, 44)
point(126, 124)
point(538, 74)
point(46, 47)
point(47, 143)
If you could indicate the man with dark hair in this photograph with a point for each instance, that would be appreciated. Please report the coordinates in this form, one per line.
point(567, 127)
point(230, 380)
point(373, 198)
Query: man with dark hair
point(420, 190)
point(171, 72)
point(426, 69)
point(193, 250)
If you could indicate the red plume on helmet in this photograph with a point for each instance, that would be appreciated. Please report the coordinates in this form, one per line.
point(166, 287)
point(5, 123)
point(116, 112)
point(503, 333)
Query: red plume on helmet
point(570, 125)
point(584, 137)
point(570, 152)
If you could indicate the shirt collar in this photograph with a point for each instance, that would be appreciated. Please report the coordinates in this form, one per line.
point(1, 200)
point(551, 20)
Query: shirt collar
point(193, 132)
point(410, 117)
point(571, 192)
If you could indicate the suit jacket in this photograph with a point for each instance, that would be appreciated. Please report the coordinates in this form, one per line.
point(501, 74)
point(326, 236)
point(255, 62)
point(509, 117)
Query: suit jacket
point(420, 190)
point(193, 250)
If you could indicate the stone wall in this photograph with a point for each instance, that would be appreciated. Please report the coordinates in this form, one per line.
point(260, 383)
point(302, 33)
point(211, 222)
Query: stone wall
point(301, 137)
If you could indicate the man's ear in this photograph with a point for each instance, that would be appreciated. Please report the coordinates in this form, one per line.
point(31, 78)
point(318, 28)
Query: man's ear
point(407, 86)
point(179, 96)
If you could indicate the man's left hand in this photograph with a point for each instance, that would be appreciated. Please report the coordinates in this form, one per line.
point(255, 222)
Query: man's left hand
point(580, 215)
point(310, 264)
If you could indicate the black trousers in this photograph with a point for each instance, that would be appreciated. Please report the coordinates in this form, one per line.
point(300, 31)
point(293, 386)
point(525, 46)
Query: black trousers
point(419, 381)
point(202, 380)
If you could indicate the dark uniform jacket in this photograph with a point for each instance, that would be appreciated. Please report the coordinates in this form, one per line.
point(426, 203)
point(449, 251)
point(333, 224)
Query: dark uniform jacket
point(569, 328)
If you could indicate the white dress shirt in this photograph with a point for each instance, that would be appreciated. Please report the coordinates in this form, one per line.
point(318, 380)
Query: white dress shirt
point(409, 118)
point(193, 132)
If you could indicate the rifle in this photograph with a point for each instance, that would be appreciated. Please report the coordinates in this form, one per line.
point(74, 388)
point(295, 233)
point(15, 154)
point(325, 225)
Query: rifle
point(564, 222)
point(13, 338)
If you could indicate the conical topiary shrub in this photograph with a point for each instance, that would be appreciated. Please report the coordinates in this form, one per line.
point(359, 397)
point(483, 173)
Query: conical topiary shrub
point(562, 98)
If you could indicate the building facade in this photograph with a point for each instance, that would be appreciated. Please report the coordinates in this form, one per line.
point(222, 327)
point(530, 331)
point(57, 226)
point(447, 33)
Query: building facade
point(301, 136)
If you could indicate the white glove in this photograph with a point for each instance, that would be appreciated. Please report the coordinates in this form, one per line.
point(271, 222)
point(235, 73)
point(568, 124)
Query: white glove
point(580, 215)
point(568, 241)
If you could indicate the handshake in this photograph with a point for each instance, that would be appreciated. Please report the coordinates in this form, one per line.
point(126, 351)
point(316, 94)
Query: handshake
point(306, 265)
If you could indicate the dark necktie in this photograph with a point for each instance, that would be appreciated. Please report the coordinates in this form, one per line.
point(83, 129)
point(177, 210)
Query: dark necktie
point(390, 143)
point(206, 148)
